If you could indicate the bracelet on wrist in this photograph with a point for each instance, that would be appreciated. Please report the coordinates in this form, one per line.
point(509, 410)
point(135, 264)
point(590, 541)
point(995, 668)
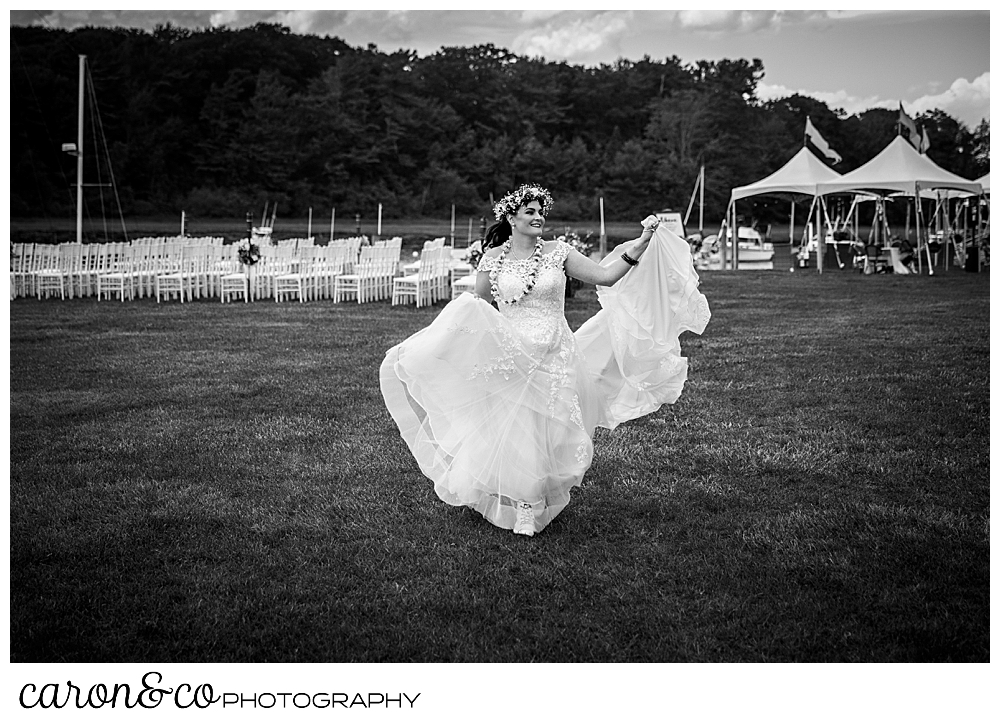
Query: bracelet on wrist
point(629, 260)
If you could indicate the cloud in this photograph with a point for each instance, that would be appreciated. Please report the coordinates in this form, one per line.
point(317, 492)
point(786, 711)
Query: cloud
point(968, 102)
point(144, 19)
point(742, 20)
point(531, 16)
point(572, 39)
point(851, 104)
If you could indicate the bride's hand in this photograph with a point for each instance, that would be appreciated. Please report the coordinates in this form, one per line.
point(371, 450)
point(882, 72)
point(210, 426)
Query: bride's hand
point(649, 225)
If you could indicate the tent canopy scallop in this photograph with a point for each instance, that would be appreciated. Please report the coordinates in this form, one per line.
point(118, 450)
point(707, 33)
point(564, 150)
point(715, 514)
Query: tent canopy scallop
point(799, 177)
point(899, 168)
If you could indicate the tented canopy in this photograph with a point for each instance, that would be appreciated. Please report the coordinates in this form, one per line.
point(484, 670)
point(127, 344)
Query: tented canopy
point(898, 168)
point(932, 194)
point(797, 177)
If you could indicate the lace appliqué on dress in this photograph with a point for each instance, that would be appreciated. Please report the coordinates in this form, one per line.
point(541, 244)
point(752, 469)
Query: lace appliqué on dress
point(504, 364)
point(486, 263)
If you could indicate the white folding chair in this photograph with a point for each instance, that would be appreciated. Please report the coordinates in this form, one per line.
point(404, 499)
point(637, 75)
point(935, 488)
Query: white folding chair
point(119, 277)
point(418, 286)
point(361, 282)
point(50, 276)
point(296, 281)
point(176, 277)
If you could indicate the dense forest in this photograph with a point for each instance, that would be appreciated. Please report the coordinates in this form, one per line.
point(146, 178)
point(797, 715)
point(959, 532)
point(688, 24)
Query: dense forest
point(217, 121)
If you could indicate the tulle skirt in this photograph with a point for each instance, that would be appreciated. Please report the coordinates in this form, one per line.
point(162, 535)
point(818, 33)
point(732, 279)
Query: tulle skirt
point(492, 417)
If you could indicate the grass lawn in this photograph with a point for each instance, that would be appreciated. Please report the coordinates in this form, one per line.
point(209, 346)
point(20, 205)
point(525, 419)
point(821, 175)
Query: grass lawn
point(207, 482)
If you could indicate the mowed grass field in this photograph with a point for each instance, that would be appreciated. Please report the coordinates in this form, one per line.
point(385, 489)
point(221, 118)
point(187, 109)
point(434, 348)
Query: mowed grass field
point(208, 482)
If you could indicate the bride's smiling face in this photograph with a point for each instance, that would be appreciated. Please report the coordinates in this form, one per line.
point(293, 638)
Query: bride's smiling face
point(528, 219)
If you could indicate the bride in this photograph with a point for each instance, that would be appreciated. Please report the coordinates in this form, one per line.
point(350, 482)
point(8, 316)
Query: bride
point(499, 405)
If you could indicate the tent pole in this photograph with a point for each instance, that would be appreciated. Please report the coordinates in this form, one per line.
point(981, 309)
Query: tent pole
point(947, 230)
point(821, 235)
point(886, 231)
point(735, 258)
point(730, 215)
point(963, 217)
point(979, 229)
point(836, 246)
point(721, 237)
point(722, 249)
point(919, 218)
point(791, 231)
point(805, 229)
point(857, 220)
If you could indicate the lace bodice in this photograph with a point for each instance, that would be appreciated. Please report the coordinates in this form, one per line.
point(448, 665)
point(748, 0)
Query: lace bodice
point(539, 314)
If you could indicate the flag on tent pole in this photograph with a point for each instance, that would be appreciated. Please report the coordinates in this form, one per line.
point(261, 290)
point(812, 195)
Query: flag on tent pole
point(925, 141)
point(813, 136)
point(911, 128)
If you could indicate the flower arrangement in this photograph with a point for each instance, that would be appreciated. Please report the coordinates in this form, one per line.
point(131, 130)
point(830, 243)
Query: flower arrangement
point(248, 252)
point(473, 253)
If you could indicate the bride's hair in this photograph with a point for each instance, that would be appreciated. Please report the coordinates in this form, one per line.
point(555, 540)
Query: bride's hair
point(498, 234)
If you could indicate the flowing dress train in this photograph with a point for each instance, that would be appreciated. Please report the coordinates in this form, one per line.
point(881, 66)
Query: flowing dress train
point(499, 406)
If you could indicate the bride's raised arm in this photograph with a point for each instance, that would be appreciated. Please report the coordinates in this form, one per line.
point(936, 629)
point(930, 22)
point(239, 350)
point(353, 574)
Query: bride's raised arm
point(625, 256)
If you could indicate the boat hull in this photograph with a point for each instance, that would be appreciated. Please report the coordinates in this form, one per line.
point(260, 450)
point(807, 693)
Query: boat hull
point(755, 254)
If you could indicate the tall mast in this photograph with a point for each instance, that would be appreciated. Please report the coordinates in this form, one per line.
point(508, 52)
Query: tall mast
point(701, 201)
point(79, 155)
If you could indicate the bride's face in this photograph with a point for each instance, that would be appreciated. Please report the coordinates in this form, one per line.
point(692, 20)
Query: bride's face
point(528, 219)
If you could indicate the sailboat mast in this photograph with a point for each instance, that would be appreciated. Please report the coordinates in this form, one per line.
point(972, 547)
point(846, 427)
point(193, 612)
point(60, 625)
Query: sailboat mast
point(701, 200)
point(79, 154)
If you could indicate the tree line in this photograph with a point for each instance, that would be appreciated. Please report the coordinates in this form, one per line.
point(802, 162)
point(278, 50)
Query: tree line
point(218, 121)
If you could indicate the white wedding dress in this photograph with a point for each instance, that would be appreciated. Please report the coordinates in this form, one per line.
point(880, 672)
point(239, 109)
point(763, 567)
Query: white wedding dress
point(500, 406)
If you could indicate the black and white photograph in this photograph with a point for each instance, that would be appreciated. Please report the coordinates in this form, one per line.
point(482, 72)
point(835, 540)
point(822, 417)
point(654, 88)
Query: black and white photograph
point(388, 342)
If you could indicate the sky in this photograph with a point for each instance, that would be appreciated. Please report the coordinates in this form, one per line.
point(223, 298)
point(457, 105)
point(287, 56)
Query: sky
point(850, 59)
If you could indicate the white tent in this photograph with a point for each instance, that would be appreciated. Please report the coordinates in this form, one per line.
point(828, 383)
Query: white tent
point(984, 182)
point(799, 176)
point(798, 179)
point(899, 168)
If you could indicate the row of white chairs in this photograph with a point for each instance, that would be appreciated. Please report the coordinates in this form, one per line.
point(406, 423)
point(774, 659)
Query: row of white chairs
point(309, 274)
point(192, 240)
point(73, 269)
point(171, 267)
point(372, 275)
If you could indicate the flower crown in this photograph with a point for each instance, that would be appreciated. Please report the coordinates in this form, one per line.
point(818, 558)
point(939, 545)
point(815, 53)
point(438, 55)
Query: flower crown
point(509, 204)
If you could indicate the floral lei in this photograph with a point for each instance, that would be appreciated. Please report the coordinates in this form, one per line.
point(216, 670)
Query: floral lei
point(509, 204)
point(536, 258)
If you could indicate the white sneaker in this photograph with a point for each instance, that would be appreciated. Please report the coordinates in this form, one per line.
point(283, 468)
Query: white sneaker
point(525, 523)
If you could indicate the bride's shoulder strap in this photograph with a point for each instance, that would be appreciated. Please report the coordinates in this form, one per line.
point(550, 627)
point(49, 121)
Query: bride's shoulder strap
point(562, 250)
